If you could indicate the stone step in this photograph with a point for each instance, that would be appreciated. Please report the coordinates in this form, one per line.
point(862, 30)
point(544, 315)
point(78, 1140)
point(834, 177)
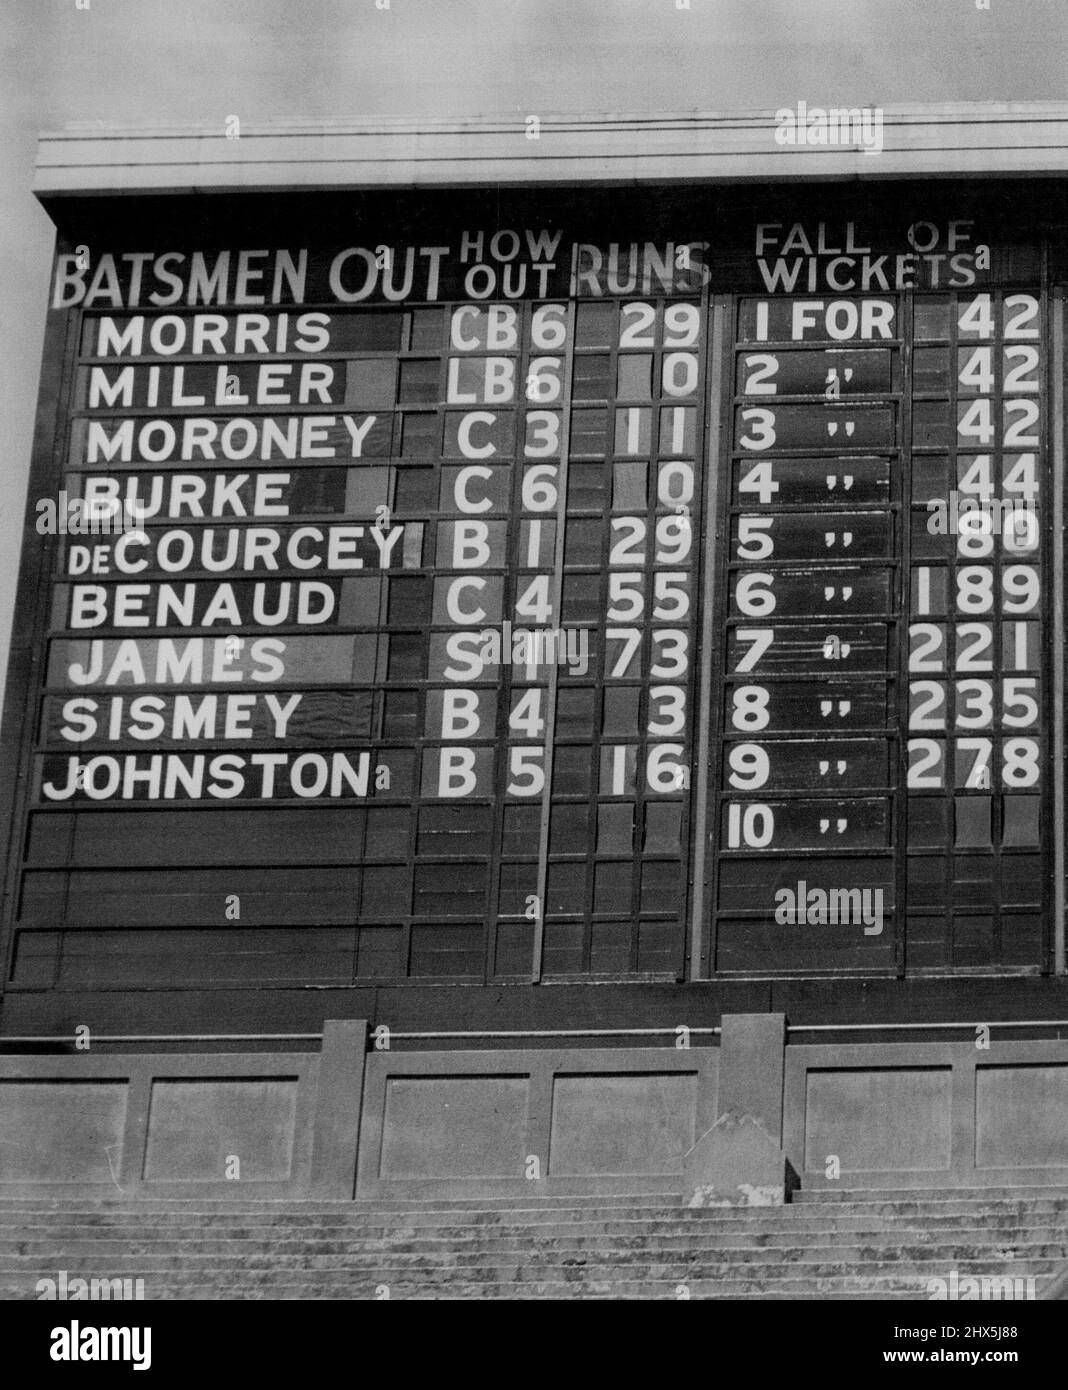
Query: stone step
point(353, 1211)
point(673, 1264)
point(998, 1245)
point(117, 1202)
point(919, 1243)
point(47, 1246)
point(541, 1283)
point(815, 1195)
point(570, 1291)
point(769, 1222)
point(919, 1199)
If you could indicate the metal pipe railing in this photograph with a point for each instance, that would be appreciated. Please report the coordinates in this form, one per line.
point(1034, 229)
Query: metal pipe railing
point(473, 1033)
point(916, 1027)
point(168, 1037)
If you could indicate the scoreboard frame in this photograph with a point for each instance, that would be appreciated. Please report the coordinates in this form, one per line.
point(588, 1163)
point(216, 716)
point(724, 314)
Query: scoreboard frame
point(98, 225)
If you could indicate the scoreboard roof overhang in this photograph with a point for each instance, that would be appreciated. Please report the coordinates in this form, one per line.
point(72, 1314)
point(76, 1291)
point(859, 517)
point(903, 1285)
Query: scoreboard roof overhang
point(952, 140)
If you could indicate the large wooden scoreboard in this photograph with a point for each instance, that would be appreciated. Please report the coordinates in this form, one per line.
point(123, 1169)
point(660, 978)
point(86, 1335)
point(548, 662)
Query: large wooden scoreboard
point(562, 588)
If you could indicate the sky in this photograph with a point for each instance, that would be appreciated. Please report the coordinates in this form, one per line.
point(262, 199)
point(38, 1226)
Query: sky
point(195, 62)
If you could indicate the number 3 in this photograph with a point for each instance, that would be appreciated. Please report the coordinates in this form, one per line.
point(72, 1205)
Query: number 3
point(762, 429)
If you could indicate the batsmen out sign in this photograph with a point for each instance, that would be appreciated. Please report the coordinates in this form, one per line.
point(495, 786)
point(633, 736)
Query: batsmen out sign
point(546, 604)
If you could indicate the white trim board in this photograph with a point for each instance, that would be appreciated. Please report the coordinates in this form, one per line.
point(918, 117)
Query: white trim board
point(981, 139)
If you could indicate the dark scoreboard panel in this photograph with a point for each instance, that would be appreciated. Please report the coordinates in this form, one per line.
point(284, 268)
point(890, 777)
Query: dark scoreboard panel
point(883, 703)
point(619, 616)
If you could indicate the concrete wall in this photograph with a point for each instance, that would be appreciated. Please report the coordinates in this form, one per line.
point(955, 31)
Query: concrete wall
point(521, 1122)
point(157, 1125)
point(929, 1114)
point(726, 1121)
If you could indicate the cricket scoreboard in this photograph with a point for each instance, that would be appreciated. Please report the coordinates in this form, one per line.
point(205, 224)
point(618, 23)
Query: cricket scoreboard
point(525, 600)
